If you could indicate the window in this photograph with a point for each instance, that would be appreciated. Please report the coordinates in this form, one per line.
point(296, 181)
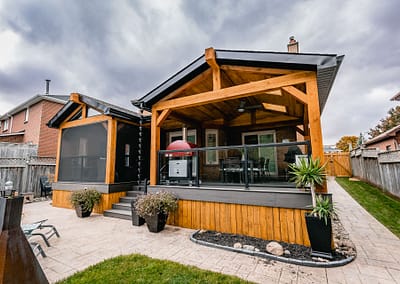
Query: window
point(268, 153)
point(5, 125)
point(211, 141)
point(177, 135)
point(26, 115)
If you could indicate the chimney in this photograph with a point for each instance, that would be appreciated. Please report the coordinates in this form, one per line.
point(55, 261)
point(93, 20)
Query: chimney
point(293, 45)
point(47, 86)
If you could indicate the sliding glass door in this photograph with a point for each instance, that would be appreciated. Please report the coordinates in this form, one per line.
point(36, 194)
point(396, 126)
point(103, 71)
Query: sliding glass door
point(268, 153)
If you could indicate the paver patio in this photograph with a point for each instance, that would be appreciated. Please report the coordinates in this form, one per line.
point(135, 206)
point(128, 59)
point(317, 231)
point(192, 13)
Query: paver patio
point(88, 241)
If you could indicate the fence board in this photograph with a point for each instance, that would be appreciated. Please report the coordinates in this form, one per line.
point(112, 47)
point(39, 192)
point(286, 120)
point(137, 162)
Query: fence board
point(337, 164)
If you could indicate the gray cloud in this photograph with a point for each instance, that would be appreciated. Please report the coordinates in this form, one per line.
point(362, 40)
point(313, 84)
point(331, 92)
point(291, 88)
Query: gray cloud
point(118, 51)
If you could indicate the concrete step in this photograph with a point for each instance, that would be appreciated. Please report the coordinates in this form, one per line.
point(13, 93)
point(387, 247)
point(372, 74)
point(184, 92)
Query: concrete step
point(134, 193)
point(126, 199)
point(122, 206)
point(116, 213)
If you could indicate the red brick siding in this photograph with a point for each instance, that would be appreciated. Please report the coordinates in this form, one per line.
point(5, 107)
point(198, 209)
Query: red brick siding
point(48, 136)
point(32, 126)
point(381, 145)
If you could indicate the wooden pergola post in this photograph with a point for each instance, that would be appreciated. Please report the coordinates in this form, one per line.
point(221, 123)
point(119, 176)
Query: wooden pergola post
point(314, 117)
point(111, 151)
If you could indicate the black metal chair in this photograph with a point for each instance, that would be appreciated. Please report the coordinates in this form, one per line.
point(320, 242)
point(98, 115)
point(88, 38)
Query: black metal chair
point(45, 186)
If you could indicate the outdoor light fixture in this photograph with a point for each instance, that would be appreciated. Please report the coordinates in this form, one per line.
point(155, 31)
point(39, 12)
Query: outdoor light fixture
point(241, 106)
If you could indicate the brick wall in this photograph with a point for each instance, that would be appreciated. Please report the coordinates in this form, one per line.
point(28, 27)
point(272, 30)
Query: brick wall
point(48, 139)
point(32, 129)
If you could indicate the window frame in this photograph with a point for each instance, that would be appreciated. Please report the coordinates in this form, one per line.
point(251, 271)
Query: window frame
point(212, 132)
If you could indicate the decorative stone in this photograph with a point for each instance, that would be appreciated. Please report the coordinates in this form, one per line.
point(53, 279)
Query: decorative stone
point(202, 231)
point(249, 247)
point(237, 245)
point(274, 248)
point(286, 252)
point(256, 249)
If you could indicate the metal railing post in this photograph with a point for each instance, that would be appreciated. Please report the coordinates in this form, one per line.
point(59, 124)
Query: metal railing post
point(246, 164)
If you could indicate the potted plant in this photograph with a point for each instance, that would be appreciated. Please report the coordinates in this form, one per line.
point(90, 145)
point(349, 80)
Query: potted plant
point(155, 207)
point(319, 226)
point(84, 201)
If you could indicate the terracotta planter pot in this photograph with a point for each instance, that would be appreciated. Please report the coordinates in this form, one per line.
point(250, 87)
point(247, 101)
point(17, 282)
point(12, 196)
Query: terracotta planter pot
point(320, 235)
point(156, 223)
point(82, 213)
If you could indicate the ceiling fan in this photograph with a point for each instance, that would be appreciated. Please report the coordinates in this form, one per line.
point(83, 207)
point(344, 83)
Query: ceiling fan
point(263, 106)
point(242, 107)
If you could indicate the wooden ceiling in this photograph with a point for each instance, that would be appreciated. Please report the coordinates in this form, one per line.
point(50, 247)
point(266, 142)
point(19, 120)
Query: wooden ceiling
point(264, 109)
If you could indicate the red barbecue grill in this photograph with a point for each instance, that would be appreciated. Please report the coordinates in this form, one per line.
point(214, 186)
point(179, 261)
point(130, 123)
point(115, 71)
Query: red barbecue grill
point(181, 165)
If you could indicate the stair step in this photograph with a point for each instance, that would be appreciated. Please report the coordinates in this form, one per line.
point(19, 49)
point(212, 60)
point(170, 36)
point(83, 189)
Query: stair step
point(122, 206)
point(116, 213)
point(134, 193)
point(127, 199)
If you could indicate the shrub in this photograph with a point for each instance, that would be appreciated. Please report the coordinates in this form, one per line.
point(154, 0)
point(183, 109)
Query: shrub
point(155, 203)
point(87, 198)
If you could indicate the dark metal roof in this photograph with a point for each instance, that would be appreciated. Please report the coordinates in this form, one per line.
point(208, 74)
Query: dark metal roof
point(326, 65)
point(101, 106)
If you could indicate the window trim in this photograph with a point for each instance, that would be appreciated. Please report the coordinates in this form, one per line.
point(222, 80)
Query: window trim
point(191, 132)
point(26, 115)
point(215, 132)
point(6, 124)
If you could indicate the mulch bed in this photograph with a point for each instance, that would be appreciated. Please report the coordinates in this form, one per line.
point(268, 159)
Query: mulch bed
point(344, 248)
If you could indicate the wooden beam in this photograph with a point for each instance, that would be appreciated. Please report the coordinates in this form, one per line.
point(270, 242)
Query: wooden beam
point(195, 81)
point(296, 93)
point(235, 92)
point(154, 147)
point(89, 120)
point(273, 107)
point(75, 97)
point(163, 116)
point(273, 71)
point(212, 62)
point(314, 116)
point(111, 151)
point(56, 171)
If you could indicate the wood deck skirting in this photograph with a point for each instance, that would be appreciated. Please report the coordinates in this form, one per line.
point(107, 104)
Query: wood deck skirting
point(61, 199)
point(272, 215)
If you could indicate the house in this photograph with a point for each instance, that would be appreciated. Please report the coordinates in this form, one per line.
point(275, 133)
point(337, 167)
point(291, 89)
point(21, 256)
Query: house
point(387, 141)
point(224, 130)
point(26, 123)
point(99, 146)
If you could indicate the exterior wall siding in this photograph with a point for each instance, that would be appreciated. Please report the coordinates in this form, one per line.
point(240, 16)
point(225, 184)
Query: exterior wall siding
point(48, 136)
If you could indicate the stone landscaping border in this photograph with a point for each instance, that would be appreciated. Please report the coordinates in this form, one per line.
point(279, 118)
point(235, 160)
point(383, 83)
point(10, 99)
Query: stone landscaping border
point(334, 263)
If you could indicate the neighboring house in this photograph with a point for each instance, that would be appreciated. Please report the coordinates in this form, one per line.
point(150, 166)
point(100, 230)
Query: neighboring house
point(248, 114)
point(26, 123)
point(387, 141)
point(98, 147)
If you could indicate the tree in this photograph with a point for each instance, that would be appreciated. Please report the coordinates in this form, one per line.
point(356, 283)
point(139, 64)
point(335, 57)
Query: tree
point(390, 121)
point(343, 143)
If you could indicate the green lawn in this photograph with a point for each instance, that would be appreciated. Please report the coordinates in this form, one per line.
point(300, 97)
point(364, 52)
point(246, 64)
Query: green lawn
point(383, 207)
point(137, 268)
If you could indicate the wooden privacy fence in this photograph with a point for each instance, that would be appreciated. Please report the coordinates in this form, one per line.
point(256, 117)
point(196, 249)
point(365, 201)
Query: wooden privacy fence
point(25, 172)
point(337, 164)
point(379, 169)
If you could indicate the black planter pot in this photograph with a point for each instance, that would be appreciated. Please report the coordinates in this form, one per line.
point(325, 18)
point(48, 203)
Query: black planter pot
point(82, 213)
point(136, 219)
point(156, 223)
point(320, 235)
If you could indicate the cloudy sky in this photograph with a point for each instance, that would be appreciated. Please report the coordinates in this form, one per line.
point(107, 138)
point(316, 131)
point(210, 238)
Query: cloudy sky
point(120, 50)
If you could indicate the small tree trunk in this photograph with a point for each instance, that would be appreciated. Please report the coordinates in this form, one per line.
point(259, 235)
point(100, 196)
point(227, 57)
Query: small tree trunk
point(314, 202)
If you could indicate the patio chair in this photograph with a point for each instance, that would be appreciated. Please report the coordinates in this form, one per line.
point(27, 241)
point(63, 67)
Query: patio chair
point(38, 247)
point(34, 229)
point(45, 186)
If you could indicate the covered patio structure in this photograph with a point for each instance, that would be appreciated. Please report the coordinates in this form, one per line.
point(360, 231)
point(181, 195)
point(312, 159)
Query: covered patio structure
point(250, 114)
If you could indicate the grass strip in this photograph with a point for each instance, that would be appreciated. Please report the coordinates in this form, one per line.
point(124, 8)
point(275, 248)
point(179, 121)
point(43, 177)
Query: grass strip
point(136, 268)
point(380, 205)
